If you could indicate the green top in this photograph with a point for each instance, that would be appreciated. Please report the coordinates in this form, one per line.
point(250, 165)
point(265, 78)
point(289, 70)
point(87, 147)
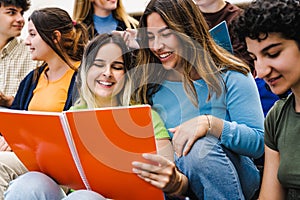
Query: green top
point(282, 134)
point(160, 130)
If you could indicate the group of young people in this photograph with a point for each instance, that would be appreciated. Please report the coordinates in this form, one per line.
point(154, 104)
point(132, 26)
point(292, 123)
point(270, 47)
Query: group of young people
point(204, 99)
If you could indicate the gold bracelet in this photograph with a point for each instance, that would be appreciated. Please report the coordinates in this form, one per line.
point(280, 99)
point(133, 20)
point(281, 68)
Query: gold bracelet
point(209, 123)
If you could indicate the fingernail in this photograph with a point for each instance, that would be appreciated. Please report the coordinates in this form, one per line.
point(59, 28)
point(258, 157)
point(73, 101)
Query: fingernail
point(134, 163)
point(134, 170)
point(145, 155)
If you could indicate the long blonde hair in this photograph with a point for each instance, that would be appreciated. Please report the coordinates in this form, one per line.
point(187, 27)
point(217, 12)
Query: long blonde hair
point(86, 96)
point(83, 12)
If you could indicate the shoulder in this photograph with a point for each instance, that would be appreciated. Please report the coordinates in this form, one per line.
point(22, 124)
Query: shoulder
point(237, 83)
point(232, 11)
point(232, 76)
point(20, 44)
point(279, 106)
point(15, 45)
point(233, 8)
point(276, 113)
point(275, 121)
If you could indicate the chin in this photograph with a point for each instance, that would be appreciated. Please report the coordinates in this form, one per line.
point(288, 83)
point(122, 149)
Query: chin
point(168, 66)
point(35, 58)
point(279, 91)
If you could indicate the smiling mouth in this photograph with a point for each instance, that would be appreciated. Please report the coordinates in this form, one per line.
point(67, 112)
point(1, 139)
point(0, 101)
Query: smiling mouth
point(272, 81)
point(105, 83)
point(164, 55)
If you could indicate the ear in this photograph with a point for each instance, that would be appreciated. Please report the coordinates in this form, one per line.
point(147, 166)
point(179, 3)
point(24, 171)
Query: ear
point(56, 36)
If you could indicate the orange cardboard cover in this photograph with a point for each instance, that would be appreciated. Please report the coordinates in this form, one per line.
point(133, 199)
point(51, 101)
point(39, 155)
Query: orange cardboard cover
point(85, 149)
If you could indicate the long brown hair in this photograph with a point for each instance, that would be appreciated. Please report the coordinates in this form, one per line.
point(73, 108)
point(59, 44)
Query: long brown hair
point(74, 37)
point(199, 52)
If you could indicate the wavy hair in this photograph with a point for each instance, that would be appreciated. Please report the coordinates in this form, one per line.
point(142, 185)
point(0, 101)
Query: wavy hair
point(24, 4)
point(262, 17)
point(198, 51)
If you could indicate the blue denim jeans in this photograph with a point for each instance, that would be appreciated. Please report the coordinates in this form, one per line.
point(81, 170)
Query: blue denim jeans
point(38, 186)
point(215, 172)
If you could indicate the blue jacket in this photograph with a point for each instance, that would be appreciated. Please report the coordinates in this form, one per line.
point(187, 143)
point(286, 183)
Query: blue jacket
point(26, 87)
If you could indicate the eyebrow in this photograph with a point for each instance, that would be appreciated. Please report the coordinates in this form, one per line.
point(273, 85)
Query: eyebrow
point(160, 30)
point(115, 62)
point(11, 9)
point(269, 47)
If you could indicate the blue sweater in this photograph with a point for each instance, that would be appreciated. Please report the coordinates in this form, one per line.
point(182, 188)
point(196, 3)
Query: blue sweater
point(239, 106)
point(26, 87)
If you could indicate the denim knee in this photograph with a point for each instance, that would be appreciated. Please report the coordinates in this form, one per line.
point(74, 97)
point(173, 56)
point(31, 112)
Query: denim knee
point(248, 173)
point(33, 185)
point(210, 172)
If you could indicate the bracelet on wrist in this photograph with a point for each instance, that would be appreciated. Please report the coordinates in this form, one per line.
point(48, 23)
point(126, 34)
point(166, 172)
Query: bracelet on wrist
point(209, 123)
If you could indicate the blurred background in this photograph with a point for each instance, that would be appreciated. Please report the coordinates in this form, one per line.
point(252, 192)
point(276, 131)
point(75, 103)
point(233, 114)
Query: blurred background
point(133, 7)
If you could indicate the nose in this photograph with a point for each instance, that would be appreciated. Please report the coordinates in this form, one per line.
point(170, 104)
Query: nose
point(262, 68)
point(20, 18)
point(157, 44)
point(107, 71)
point(27, 41)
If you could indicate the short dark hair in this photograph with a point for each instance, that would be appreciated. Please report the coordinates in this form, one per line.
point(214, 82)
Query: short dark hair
point(24, 4)
point(262, 17)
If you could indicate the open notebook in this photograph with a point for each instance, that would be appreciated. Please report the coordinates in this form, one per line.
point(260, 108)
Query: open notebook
point(85, 149)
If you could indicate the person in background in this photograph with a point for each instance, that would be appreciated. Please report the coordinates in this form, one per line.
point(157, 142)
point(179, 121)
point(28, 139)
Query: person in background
point(216, 11)
point(15, 61)
point(271, 29)
point(103, 81)
point(54, 40)
point(102, 16)
point(202, 93)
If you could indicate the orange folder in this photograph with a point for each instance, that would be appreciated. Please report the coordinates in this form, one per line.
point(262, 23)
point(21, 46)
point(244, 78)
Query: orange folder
point(86, 149)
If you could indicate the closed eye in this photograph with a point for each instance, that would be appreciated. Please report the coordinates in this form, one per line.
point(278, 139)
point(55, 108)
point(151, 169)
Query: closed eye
point(274, 55)
point(99, 65)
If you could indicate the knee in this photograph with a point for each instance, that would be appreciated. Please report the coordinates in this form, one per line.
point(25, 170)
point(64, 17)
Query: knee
point(204, 154)
point(32, 185)
point(32, 180)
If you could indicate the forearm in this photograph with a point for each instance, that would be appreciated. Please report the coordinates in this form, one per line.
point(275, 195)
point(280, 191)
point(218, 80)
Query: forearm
point(242, 139)
point(243, 130)
point(165, 149)
point(215, 126)
point(239, 138)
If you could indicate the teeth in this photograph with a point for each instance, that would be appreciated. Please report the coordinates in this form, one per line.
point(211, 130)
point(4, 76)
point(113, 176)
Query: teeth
point(105, 83)
point(164, 55)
